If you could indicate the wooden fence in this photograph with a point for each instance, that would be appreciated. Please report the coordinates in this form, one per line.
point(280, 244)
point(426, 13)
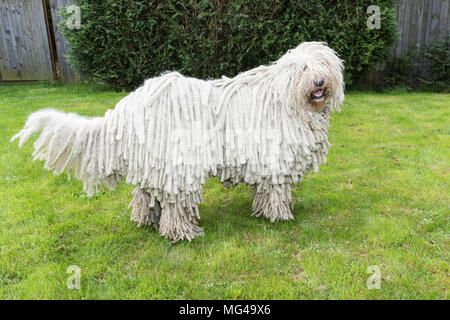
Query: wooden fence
point(420, 21)
point(27, 54)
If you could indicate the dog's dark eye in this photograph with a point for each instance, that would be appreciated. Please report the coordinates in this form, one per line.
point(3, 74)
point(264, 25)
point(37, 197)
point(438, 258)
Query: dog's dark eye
point(305, 68)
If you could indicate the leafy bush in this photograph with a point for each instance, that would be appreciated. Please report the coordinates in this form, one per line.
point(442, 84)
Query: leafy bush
point(125, 41)
point(399, 72)
point(425, 68)
point(437, 63)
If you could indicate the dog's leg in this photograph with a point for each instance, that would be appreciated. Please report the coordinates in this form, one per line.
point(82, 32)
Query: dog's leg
point(179, 218)
point(145, 209)
point(272, 201)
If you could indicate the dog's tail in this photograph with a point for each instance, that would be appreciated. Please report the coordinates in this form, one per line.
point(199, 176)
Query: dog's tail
point(72, 142)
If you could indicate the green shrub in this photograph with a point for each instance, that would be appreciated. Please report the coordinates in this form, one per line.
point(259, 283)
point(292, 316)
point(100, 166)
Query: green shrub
point(125, 41)
point(399, 72)
point(425, 68)
point(437, 65)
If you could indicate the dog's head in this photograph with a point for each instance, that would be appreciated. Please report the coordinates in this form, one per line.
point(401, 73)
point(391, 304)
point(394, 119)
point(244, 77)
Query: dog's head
point(317, 74)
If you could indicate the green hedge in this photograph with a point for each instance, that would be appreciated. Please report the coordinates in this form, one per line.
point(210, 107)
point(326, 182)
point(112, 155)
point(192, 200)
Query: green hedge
point(124, 42)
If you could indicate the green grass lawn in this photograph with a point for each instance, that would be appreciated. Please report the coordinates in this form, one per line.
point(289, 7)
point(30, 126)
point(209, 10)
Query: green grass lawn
point(382, 200)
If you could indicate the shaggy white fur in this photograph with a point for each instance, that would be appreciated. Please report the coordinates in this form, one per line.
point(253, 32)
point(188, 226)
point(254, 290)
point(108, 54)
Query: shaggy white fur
point(265, 127)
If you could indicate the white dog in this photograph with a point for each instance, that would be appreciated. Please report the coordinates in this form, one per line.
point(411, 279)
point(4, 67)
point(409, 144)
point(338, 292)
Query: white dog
point(266, 127)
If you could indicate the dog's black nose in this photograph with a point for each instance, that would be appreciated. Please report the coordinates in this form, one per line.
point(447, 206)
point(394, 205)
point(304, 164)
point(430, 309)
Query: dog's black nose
point(319, 83)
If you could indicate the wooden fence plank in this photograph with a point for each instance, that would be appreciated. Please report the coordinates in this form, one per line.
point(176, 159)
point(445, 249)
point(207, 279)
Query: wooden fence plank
point(15, 37)
point(412, 28)
point(406, 22)
point(400, 18)
point(10, 45)
point(428, 36)
point(420, 22)
point(23, 42)
point(423, 29)
point(35, 55)
point(394, 47)
point(3, 53)
point(435, 19)
point(443, 19)
point(40, 34)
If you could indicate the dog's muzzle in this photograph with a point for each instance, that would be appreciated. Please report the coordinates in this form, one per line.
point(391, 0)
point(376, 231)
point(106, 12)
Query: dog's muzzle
point(319, 92)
